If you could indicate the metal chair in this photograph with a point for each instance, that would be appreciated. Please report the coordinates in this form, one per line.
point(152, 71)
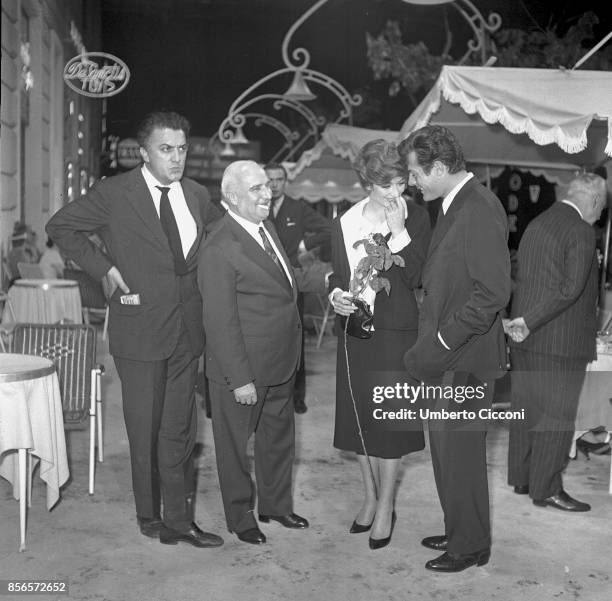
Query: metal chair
point(322, 320)
point(72, 347)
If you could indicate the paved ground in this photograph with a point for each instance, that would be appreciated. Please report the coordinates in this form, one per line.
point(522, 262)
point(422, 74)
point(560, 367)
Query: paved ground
point(93, 542)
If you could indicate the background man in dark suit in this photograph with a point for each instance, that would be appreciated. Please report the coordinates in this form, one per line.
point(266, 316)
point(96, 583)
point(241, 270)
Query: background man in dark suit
point(553, 338)
point(152, 222)
point(294, 220)
point(466, 282)
point(254, 335)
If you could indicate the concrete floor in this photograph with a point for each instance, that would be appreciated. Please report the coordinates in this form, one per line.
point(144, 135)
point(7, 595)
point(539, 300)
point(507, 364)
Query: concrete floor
point(93, 541)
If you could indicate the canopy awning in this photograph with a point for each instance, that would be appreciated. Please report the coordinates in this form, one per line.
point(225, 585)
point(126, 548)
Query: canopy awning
point(550, 122)
point(325, 172)
point(498, 113)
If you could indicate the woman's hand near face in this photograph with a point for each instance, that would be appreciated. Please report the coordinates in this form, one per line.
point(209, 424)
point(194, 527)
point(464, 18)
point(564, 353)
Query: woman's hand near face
point(394, 213)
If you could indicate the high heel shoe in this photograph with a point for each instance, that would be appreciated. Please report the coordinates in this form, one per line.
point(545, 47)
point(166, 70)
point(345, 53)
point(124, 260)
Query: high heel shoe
point(597, 448)
point(359, 528)
point(379, 543)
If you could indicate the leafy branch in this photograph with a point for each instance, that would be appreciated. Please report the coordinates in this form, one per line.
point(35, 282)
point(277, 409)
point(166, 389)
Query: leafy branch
point(378, 259)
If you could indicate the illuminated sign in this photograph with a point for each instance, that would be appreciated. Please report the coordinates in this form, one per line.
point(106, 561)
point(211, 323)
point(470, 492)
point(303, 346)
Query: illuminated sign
point(96, 74)
point(203, 163)
point(128, 153)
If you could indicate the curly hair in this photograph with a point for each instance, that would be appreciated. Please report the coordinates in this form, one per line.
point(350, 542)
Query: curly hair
point(378, 162)
point(161, 120)
point(433, 143)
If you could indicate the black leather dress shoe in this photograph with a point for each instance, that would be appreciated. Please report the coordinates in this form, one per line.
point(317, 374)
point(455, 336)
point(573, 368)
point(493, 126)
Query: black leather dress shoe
point(562, 501)
point(254, 536)
point(522, 489)
point(288, 521)
point(150, 526)
point(194, 536)
point(457, 563)
point(437, 543)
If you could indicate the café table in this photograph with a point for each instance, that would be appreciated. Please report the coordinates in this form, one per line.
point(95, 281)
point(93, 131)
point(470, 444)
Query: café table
point(44, 301)
point(595, 406)
point(31, 426)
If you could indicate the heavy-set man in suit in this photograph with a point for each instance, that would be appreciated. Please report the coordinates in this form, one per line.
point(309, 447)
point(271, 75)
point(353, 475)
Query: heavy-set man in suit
point(466, 284)
point(254, 335)
point(152, 221)
point(553, 338)
point(293, 220)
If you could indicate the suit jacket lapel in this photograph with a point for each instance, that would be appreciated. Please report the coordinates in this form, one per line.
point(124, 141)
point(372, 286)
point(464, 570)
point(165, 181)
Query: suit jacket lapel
point(255, 253)
point(269, 227)
point(140, 198)
point(445, 221)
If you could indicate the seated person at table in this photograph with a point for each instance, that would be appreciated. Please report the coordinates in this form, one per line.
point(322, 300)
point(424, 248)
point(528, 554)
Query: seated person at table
point(23, 249)
point(51, 262)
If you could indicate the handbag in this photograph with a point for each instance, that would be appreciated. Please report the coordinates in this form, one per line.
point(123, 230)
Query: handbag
point(360, 322)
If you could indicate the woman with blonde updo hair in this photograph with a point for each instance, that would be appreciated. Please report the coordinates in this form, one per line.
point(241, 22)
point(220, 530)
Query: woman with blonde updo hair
point(406, 229)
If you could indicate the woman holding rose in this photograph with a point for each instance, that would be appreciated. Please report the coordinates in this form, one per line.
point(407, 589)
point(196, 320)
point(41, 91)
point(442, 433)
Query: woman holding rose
point(406, 229)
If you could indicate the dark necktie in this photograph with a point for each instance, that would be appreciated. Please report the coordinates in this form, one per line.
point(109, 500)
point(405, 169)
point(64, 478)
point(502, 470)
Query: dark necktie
point(168, 223)
point(270, 251)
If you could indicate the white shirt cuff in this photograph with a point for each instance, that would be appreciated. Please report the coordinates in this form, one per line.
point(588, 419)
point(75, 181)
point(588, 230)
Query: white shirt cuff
point(442, 341)
point(400, 241)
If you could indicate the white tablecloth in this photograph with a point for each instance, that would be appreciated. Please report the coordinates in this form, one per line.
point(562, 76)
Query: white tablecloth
point(44, 301)
point(31, 418)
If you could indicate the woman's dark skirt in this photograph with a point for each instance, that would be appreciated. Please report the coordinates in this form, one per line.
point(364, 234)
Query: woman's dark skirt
point(384, 351)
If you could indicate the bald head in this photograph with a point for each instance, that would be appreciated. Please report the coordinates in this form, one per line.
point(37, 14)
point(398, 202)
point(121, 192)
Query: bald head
point(588, 192)
point(233, 174)
point(246, 190)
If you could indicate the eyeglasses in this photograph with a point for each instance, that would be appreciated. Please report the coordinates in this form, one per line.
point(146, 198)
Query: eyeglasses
point(260, 188)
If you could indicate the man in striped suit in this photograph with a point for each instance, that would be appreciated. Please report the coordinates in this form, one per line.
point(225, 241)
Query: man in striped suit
point(553, 338)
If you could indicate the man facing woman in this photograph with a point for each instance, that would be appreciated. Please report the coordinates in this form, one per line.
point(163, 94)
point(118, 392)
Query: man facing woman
point(406, 228)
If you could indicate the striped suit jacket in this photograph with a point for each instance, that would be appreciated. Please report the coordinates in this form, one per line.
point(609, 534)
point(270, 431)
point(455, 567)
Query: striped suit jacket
point(556, 290)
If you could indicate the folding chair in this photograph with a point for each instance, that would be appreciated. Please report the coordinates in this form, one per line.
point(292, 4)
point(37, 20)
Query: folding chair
point(72, 347)
point(321, 321)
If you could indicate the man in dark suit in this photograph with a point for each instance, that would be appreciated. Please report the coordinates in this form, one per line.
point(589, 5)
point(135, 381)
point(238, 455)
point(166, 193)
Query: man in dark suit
point(553, 338)
point(152, 221)
point(294, 220)
point(254, 332)
point(466, 284)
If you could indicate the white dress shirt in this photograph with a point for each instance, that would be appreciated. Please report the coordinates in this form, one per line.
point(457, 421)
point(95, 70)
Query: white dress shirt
point(253, 230)
point(184, 219)
point(446, 203)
